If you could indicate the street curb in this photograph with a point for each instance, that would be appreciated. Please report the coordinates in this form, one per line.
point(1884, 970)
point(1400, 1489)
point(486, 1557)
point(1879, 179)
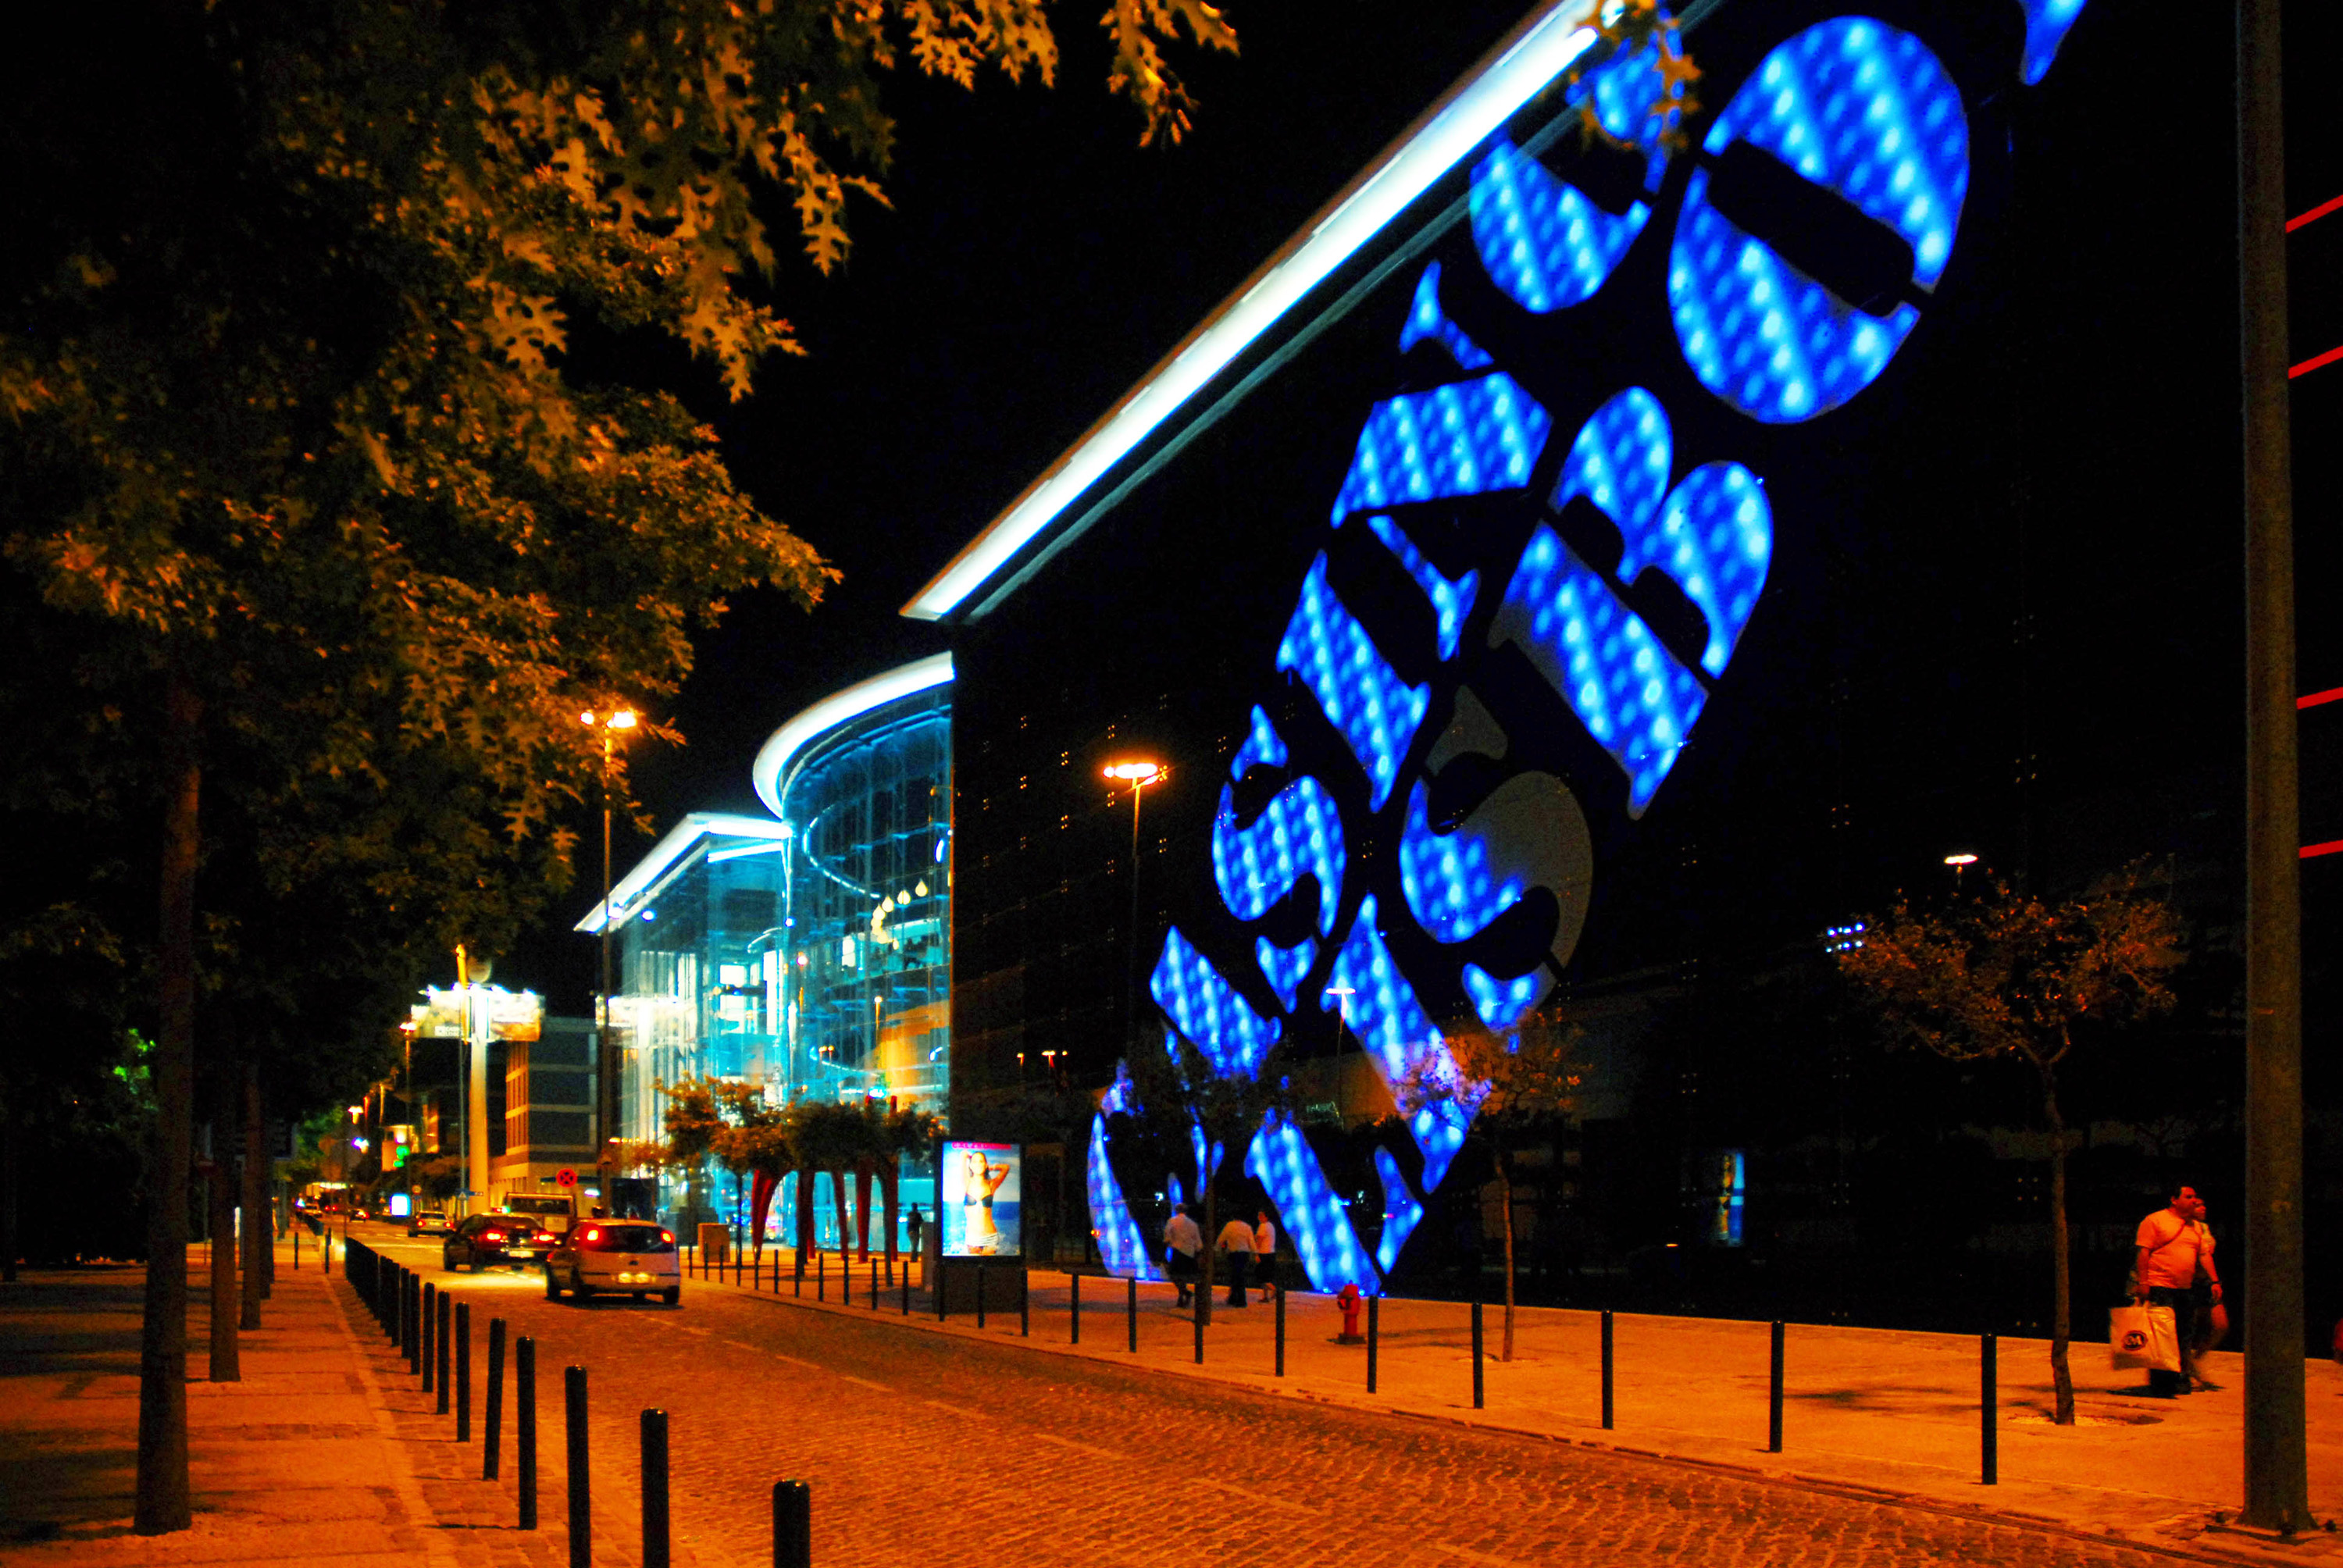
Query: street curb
point(437, 1551)
point(2245, 1554)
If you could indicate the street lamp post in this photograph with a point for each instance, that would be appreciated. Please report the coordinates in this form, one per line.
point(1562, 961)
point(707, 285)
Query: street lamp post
point(1138, 773)
point(606, 1076)
point(1959, 862)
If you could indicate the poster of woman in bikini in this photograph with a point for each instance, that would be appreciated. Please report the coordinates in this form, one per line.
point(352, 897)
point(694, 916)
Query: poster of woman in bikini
point(979, 1204)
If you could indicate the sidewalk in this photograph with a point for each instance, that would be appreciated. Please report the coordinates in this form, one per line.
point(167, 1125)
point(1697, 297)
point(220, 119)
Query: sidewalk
point(318, 1456)
point(1870, 1412)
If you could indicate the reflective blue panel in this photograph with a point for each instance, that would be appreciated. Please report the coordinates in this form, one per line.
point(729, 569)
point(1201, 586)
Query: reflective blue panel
point(1864, 110)
point(1261, 744)
point(1196, 1145)
point(1634, 697)
point(1364, 699)
point(1300, 830)
point(1401, 1213)
point(1174, 1193)
point(1284, 967)
point(1446, 877)
point(1462, 440)
point(1501, 1003)
point(1451, 601)
point(2046, 22)
point(1426, 319)
point(1122, 1249)
point(1282, 1160)
point(1715, 538)
point(1208, 1011)
point(1544, 242)
point(1382, 1011)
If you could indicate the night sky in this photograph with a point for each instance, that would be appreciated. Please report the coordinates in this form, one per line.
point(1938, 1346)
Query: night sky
point(1037, 262)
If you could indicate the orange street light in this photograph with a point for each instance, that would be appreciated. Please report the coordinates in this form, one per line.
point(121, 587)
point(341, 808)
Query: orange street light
point(1137, 774)
point(606, 1099)
point(1961, 860)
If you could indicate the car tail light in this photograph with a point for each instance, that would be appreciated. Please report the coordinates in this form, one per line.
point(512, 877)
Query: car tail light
point(669, 1237)
point(593, 1235)
point(543, 1236)
point(492, 1235)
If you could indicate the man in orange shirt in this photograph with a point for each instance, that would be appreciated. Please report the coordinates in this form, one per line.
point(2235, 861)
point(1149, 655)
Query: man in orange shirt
point(2165, 1268)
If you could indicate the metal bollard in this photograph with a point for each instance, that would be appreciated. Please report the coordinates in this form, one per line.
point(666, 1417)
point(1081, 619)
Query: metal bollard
point(797, 1286)
point(581, 1499)
point(821, 1276)
point(1480, 1390)
point(525, 1425)
point(1131, 1311)
point(463, 1372)
point(1073, 1308)
point(432, 1300)
point(1280, 1333)
point(1024, 1303)
point(296, 1249)
point(1374, 1315)
point(655, 1553)
point(414, 1320)
point(939, 1295)
point(440, 1346)
point(1196, 1321)
point(1773, 1416)
point(793, 1525)
point(874, 1284)
point(1989, 1407)
point(907, 1287)
point(493, 1412)
point(980, 1293)
point(1606, 1369)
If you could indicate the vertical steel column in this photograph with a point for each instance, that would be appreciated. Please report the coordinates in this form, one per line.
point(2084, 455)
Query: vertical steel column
point(1606, 1369)
point(1374, 1334)
point(1773, 1405)
point(655, 1531)
point(580, 1473)
point(525, 1425)
point(1988, 1406)
point(491, 1455)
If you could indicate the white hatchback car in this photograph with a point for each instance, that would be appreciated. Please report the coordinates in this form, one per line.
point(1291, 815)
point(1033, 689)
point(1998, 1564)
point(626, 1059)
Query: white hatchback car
point(631, 1256)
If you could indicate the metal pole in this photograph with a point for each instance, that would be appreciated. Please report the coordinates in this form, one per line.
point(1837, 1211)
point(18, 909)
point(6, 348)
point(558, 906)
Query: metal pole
point(463, 1372)
point(1196, 1319)
point(1280, 1334)
point(525, 1425)
point(874, 1284)
point(1074, 1307)
point(907, 1288)
point(1131, 1311)
point(493, 1415)
point(793, 1525)
point(822, 1277)
point(440, 1348)
point(655, 1541)
point(1374, 1317)
point(1774, 1407)
point(1606, 1369)
point(1024, 1302)
point(1988, 1406)
point(980, 1293)
point(1479, 1391)
point(606, 1073)
point(581, 1476)
point(2277, 1494)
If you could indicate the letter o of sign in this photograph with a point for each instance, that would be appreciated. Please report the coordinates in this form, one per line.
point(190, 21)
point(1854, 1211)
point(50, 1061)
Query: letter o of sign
point(1822, 216)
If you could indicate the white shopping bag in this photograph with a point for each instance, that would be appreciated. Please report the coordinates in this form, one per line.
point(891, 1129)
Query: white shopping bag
point(2144, 1339)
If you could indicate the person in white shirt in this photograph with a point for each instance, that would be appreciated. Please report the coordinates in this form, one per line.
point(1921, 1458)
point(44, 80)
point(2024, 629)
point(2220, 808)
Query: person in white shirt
point(1183, 1239)
point(1265, 1252)
point(1236, 1240)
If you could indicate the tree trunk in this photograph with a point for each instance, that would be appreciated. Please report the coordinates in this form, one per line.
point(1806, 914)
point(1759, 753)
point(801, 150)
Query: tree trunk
point(804, 1206)
point(1505, 1188)
point(219, 1192)
point(163, 1503)
point(260, 1232)
point(845, 1226)
point(2061, 1281)
point(862, 1214)
point(890, 1177)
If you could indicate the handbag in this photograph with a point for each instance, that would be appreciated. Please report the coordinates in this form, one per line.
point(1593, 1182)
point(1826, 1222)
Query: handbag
point(2144, 1339)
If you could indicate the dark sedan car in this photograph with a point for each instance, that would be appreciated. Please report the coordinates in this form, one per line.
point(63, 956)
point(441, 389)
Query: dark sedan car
point(485, 1240)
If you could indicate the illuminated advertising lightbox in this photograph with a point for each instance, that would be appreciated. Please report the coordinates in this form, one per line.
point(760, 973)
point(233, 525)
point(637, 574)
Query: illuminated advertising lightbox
point(979, 1198)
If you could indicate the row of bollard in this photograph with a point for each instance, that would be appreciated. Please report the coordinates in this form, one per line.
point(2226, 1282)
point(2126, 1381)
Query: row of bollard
point(433, 1333)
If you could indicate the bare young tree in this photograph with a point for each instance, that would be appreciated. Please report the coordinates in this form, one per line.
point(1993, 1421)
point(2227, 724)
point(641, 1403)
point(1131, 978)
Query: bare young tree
point(1511, 1093)
point(2010, 975)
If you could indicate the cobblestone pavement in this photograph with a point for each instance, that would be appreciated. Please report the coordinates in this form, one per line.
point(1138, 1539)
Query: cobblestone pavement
point(931, 1448)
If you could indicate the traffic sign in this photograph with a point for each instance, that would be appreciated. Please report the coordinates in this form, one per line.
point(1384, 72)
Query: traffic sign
point(565, 1177)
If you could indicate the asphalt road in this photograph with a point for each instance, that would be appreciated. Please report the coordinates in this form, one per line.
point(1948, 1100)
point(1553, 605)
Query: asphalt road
point(929, 1449)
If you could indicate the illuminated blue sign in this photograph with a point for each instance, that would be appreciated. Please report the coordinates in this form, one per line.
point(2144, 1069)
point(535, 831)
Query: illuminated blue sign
point(1819, 214)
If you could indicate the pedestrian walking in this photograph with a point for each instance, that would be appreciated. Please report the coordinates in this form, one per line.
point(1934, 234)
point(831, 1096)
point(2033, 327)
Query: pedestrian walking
point(1264, 1252)
point(1183, 1239)
point(2212, 1316)
point(1236, 1242)
point(2163, 1270)
point(913, 1223)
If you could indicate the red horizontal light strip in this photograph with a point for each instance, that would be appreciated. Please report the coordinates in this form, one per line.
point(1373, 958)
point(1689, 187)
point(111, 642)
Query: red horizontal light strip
point(2331, 846)
point(2332, 203)
point(2332, 694)
point(2314, 362)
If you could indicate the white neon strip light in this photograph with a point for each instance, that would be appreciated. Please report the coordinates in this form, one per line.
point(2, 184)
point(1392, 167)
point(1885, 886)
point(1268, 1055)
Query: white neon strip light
point(1541, 53)
point(673, 847)
point(773, 757)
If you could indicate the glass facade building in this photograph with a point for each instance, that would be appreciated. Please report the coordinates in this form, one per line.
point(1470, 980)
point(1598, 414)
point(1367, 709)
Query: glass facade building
point(809, 952)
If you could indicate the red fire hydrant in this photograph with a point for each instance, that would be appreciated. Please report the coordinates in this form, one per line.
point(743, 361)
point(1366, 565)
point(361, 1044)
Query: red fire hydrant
point(1348, 1299)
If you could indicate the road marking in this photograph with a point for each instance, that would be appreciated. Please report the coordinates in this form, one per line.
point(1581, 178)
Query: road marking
point(958, 1410)
point(1091, 1449)
point(1248, 1494)
point(866, 1383)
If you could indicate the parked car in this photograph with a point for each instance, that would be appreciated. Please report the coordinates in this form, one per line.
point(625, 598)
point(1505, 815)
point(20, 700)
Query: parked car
point(429, 1223)
point(633, 1256)
point(485, 1240)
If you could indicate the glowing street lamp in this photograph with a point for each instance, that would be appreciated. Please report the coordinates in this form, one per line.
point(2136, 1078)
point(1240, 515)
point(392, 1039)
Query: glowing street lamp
point(1138, 773)
point(1959, 862)
point(610, 722)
